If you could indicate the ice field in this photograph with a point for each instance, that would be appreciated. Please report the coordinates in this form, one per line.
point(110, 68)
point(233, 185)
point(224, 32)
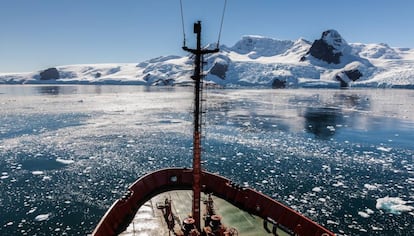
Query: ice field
point(345, 158)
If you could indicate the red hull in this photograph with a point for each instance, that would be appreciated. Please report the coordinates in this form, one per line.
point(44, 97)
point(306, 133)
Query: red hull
point(123, 210)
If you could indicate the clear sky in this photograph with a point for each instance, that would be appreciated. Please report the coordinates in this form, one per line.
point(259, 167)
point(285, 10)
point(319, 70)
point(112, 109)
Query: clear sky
point(37, 34)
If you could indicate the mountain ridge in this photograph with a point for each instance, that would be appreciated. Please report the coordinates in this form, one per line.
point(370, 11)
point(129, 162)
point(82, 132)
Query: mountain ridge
point(256, 61)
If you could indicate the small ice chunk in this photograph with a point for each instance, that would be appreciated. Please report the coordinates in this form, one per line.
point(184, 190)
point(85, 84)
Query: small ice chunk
point(317, 189)
point(63, 161)
point(363, 214)
point(369, 211)
point(384, 149)
point(376, 228)
point(45, 178)
point(42, 217)
point(4, 177)
point(331, 222)
point(37, 172)
point(338, 184)
point(331, 128)
point(370, 187)
point(32, 210)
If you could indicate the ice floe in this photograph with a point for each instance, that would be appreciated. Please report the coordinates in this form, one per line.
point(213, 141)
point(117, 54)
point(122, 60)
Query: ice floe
point(393, 205)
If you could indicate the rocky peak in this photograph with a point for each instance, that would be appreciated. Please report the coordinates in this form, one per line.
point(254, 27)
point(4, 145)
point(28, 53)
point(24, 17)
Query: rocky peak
point(330, 47)
point(49, 74)
point(333, 38)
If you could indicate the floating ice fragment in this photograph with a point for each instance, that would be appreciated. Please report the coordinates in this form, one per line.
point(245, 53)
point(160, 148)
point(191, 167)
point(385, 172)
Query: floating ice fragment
point(331, 222)
point(376, 228)
point(393, 205)
point(63, 161)
point(317, 189)
point(331, 128)
point(369, 211)
point(338, 184)
point(384, 149)
point(46, 178)
point(42, 217)
point(370, 186)
point(4, 177)
point(37, 172)
point(32, 210)
point(363, 214)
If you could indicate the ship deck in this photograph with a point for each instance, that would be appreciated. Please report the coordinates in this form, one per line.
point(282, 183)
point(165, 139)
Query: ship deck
point(150, 221)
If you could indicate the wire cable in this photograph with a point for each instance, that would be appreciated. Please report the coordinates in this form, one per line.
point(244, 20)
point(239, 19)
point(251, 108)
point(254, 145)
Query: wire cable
point(221, 24)
point(182, 21)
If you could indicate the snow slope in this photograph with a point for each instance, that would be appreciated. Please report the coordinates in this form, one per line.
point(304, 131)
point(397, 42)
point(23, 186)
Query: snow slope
point(253, 61)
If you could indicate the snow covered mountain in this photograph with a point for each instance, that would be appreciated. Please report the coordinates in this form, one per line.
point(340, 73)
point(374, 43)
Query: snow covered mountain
point(255, 61)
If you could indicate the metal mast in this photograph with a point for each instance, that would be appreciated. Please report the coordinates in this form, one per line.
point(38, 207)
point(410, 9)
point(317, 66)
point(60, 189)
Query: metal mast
point(197, 77)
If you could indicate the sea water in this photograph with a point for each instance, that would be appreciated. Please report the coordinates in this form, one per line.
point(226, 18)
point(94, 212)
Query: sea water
point(344, 158)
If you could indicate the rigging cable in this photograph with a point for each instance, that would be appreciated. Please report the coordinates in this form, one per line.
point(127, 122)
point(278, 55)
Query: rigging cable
point(221, 24)
point(182, 20)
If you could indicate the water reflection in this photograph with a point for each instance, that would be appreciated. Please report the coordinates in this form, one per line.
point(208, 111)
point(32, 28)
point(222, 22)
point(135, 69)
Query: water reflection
point(322, 122)
point(355, 101)
point(48, 90)
point(324, 115)
point(247, 115)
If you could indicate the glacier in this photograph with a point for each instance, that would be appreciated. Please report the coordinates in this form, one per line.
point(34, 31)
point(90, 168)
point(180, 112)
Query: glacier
point(253, 61)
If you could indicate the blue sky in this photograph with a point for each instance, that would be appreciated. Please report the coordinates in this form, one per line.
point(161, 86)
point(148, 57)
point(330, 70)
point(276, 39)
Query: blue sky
point(37, 34)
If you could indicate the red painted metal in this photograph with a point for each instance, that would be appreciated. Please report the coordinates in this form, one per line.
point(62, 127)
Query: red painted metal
point(196, 179)
point(197, 77)
point(120, 215)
